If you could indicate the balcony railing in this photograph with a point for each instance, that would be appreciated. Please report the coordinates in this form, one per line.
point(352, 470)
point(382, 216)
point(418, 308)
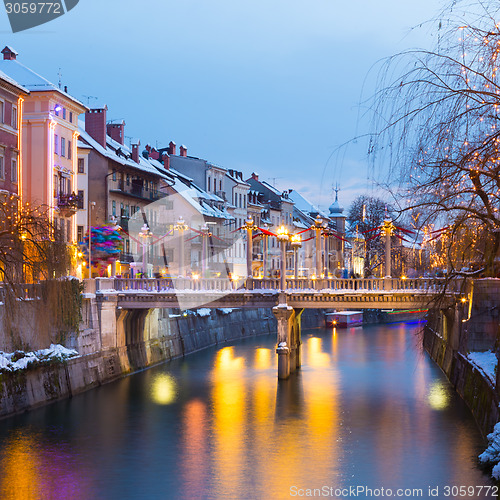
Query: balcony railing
point(68, 204)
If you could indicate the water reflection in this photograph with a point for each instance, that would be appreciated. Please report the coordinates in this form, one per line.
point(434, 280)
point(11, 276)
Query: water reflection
point(163, 389)
point(32, 468)
point(367, 407)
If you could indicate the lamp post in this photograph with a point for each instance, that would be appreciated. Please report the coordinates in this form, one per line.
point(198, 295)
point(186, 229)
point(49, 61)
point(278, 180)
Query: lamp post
point(114, 222)
point(91, 205)
point(282, 235)
point(265, 251)
point(181, 226)
point(145, 233)
point(296, 243)
point(205, 234)
point(249, 226)
point(326, 249)
point(388, 229)
point(318, 228)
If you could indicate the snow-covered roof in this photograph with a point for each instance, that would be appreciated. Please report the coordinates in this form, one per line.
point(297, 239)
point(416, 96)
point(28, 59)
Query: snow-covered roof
point(13, 82)
point(31, 80)
point(120, 153)
point(197, 198)
point(304, 205)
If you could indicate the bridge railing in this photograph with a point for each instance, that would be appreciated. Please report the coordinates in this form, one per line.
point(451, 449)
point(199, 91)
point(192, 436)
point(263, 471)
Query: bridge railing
point(381, 285)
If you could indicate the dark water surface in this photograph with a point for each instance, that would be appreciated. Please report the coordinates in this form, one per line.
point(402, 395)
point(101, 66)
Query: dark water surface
point(367, 409)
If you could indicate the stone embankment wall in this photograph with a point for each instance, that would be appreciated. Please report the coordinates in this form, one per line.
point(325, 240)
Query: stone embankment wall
point(152, 337)
point(450, 335)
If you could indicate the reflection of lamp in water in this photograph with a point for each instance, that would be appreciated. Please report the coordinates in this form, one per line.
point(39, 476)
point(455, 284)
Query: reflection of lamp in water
point(163, 389)
point(438, 396)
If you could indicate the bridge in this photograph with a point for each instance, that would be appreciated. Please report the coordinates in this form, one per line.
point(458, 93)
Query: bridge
point(127, 298)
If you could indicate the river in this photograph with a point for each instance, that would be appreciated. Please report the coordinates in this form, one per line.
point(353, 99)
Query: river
point(368, 409)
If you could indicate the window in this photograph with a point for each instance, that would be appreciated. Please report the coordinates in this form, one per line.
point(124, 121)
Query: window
point(14, 117)
point(2, 171)
point(79, 234)
point(220, 185)
point(70, 117)
point(13, 171)
point(1, 112)
point(81, 197)
point(56, 185)
point(113, 204)
point(56, 144)
point(208, 185)
point(69, 150)
point(128, 180)
point(64, 113)
point(81, 166)
point(63, 146)
point(114, 175)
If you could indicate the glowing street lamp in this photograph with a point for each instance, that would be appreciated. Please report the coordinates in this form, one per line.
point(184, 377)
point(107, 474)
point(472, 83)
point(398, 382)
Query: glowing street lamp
point(388, 229)
point(296, 243)
point(181, 226)
point(283, 236)
point(145, 233)
point(205, 234)
point(318, 228)
point(249, 226)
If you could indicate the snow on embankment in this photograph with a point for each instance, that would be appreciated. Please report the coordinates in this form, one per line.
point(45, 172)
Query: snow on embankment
point(20, 360)
point(487, 364)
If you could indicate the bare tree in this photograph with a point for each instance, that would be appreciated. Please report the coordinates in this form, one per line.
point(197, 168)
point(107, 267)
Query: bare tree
point(437, 120)
point(38, 307)
point(365, 216)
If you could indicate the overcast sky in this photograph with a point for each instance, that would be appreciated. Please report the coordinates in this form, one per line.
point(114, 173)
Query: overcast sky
point(270, 86)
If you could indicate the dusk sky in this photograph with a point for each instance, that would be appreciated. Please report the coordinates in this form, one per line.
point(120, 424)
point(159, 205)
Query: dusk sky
point(266, 86)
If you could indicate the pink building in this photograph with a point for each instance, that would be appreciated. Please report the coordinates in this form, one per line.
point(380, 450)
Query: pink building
point(49, 134)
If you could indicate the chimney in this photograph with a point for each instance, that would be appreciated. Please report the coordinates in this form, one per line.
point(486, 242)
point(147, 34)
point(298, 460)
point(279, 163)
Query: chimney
point(171, 148)
point(66, 89)
point(183, 151)
point(135, 150)
point(95, 125)
point(9, 54)
point(116, 131)
point(255, 176)
point(153, 154)
point(166, 161)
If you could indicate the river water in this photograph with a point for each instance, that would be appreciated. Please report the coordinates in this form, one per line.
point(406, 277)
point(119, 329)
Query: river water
point(368, 409)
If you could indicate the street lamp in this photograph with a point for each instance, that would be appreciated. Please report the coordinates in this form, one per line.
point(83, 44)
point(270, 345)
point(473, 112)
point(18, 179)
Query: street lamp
point(249, 227)
point(388, 229)
point(282, 235)
point(205, 234)
point(296, 243)
point(145, 233)
point(91, 205)
point(181, 226)
point(318, 228)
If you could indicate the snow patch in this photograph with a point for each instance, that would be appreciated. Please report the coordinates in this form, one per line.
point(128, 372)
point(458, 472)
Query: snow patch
point(203, 312)
point(225, 310)
point(486, 361)
point(20, 360)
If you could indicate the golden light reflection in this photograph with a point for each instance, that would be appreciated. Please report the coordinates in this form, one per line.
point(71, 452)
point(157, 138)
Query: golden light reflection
point(163, 389)
point(194, 461)
point(21, 478)
point(315, 356)
point(229, 410)
point(225, 360)
point(438, 397)
point(262, 359)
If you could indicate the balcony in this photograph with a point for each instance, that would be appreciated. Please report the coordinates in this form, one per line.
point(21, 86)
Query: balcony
point(68, 204)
